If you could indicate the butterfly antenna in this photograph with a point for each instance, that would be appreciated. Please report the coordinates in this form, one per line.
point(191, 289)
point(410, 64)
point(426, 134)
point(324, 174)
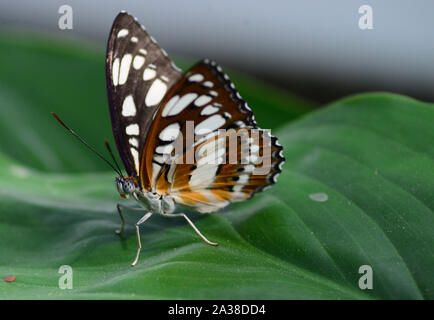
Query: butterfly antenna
point(85, 143)
point(112, 155)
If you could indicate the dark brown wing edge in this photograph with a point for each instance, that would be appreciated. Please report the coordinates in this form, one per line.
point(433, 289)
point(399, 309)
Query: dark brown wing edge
point(118, 134)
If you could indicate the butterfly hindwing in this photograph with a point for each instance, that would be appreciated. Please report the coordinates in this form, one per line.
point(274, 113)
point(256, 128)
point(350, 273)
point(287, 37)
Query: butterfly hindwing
point(215, 179)
point(138, 75)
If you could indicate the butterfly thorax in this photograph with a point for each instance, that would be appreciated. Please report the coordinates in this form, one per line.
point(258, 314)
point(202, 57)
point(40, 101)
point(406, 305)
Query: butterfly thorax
point(154, 202)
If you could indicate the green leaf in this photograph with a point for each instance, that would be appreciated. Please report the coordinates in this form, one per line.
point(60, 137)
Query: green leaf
point(373, 156)
point(357, 189)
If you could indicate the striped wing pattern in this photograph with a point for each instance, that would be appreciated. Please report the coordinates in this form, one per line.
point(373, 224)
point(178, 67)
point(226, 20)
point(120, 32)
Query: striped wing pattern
point(215, 179)
point(154, 107)
point(138, 75)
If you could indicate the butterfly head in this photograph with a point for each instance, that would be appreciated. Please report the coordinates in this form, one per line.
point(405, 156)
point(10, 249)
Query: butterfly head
point(126, 185)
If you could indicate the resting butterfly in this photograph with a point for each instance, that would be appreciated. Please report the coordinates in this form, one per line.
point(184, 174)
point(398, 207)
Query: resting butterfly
point(171, 131)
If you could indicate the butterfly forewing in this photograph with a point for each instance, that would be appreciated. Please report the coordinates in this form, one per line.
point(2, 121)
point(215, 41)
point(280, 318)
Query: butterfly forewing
point(138, 74)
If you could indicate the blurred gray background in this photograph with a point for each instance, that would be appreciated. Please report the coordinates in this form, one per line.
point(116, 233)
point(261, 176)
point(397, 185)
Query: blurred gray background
point(312, 48)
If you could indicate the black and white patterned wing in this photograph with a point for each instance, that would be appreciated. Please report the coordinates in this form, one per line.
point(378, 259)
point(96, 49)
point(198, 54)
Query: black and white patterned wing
point(138, 74)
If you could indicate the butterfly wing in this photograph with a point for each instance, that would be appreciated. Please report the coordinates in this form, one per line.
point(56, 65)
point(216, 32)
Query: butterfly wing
point(138, 75)
point(215, 179)
point(205, 97)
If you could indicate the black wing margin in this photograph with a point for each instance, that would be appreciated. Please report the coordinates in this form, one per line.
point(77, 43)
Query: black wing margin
point(138, 75)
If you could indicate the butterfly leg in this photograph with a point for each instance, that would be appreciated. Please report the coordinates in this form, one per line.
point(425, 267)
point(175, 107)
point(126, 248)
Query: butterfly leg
point(171, 215)
point(143, 219)
point(119, 206)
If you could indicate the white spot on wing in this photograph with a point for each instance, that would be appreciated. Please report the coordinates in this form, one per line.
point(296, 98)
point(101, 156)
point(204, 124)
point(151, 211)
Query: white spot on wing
point(125, 68)
point(166, 149)
point(208, 84)
point(134, 142)
point(149, 74)
point(243, 179)
point(169, 105)
point(170, 133)
point(138, 62)
point(156, 93)
point(208, 110)
point(202, 100)
point(134, 39)
point(122, 33)
point(132, 129)
point(210, 124)
point(115, 73)
point(128, 107)
point(160, 159)
point(135, 155)
point(197, 77)
point(173, 109)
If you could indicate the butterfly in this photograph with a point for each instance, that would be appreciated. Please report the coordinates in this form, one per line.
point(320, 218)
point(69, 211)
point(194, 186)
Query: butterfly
point(185, 139)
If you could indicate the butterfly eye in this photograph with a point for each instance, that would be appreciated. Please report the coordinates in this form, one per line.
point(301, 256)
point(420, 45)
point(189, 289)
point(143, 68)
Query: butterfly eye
point(128, 186)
